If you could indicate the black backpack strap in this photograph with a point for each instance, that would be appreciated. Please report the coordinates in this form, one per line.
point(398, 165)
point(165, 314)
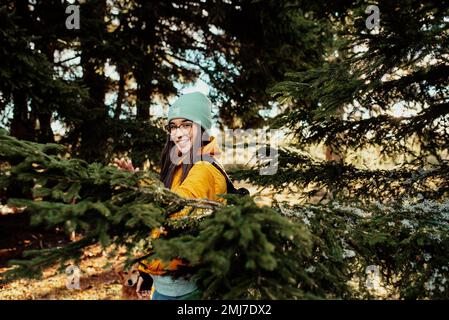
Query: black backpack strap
point(229, 185)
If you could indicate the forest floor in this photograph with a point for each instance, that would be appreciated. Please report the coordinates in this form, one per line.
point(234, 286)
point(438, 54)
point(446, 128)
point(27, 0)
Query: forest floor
point(95, 282)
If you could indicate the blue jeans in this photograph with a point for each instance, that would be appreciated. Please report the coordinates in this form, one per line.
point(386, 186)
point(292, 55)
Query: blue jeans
point(195, 295)
point(168, 286)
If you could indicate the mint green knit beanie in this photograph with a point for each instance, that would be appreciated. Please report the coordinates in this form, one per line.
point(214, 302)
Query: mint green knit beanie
point(194, 106)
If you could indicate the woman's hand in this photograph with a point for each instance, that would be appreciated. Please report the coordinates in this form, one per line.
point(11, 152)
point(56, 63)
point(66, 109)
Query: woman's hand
point(124, 164)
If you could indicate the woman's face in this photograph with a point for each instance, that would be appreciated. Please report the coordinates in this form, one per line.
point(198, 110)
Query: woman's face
point(183, 132)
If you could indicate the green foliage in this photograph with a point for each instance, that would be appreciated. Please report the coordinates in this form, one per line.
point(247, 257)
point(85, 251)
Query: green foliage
point(238, 251)
point(385, 89)
point(295, 168)
point(110, 206)
point(244, 251)
point(106, 204)
point(135, 138)
point(103, 81)
point(406, 241)
point(341, 85)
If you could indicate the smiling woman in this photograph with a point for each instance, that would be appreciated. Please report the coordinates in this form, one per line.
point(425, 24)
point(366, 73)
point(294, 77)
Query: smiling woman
point(187, 169)
point(189, 122)
point(181, 139)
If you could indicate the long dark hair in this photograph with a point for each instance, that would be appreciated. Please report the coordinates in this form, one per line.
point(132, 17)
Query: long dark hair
point(168, 168)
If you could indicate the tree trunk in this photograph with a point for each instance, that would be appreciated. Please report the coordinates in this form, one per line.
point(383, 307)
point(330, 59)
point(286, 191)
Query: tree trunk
point(21, 126)
point(120, 94)
point(144, 90)
point(94, 128)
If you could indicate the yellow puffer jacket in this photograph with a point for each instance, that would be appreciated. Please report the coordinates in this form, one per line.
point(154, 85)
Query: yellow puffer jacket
point(203, 181)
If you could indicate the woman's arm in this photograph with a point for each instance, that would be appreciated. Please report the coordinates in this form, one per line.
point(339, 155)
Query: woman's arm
point(199, 183)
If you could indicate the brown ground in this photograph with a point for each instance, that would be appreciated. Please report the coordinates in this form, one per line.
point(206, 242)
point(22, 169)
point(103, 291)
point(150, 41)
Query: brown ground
point(16, 236)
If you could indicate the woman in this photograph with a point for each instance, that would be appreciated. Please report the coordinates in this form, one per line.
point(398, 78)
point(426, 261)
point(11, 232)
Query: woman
point(187, 170)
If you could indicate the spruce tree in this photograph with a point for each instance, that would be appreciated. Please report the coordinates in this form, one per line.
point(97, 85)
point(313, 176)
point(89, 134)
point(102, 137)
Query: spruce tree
point(349, 102)
point(391, 221)
point(236, 251)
